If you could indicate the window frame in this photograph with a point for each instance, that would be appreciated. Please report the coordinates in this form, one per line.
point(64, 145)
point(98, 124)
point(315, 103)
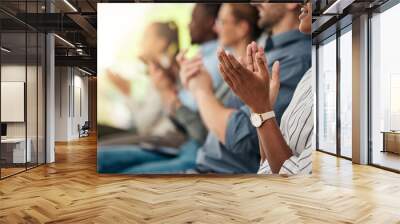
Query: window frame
point(333, 37)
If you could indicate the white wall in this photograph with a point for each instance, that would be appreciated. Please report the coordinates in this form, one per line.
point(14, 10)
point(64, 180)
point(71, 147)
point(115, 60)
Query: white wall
point(16, 73)
point(70, 83)
point(12, 73)
point(62, 81)
point(33, 126)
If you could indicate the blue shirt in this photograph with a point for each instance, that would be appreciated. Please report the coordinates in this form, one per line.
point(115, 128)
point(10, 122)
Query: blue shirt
point(240, 153)
point(208, 51)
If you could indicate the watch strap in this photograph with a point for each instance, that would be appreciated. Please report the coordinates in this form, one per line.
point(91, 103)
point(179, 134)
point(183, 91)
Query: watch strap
point(267, 115)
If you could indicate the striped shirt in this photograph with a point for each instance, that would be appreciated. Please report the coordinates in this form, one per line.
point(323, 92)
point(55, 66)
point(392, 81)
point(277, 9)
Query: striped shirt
point(297, 127)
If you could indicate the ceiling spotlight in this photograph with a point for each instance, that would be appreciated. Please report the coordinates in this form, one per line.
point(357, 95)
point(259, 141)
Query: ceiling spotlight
point(64, 40)
point(70, 5)
point(5, 50)
point(84, 71)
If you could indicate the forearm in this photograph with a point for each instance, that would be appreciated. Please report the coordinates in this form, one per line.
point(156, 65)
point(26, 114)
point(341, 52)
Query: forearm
point(192, 122)
point(273, 144)
point(262, 150)
point(215, 116)
point(169, 99)
point(187, 118)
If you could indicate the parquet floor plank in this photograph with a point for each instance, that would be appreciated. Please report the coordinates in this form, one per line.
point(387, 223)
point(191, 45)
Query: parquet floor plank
point(70, 191)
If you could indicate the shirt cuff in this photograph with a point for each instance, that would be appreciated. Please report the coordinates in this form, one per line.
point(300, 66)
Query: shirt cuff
point(290, 166)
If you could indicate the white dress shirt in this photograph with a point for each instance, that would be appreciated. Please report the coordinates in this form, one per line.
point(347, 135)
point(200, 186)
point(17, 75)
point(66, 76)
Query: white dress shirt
point(297, 126)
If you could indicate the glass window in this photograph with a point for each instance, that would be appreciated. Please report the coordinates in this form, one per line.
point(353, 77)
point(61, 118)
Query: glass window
point(15, 149)
point(327, 97)
point(346, 94)
point(385, 89)
point(31, 99)
point(41, 98)
point(22, 93)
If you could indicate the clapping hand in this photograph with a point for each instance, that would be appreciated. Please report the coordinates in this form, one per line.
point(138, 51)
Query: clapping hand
point(193, 74)
point(121, 83)
point(250, 79)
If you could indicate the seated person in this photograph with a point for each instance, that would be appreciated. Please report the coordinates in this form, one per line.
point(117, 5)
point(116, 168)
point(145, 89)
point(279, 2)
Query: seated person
point(163, 72)
point(288, 149)
point(247, 30)
point(202, 34)
point(232, 143)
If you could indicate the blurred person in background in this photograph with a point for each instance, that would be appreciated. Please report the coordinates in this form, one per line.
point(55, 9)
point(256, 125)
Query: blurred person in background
point(231, 145)
point(203, 34)
point(161, 41)
point(160, 45)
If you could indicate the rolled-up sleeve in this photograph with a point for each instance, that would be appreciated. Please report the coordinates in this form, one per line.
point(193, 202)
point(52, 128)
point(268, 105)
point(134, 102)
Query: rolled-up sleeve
point(301, 164)
point(241, 136)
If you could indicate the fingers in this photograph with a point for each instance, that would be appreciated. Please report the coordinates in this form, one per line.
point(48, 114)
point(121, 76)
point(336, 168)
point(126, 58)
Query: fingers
point(193, 62)
point(189, 69)
point(261, 51)
point(239, 69)
point(225, 76)
point(230, 67)
point(224, 58)
point(181, 57)
point(224, 67)
point(249, 58)
point(262, 66)
point(111, 73)
point(253, 53)
point(190, 73)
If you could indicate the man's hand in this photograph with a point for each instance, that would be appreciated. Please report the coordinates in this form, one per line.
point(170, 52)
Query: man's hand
point(201, 82)
point(194, 77)
point(188, 67)
point(251, 80)
point(193, 74)
point(122, 84)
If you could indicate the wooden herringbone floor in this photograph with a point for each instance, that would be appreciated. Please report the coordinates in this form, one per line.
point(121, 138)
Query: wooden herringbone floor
point(70, 191)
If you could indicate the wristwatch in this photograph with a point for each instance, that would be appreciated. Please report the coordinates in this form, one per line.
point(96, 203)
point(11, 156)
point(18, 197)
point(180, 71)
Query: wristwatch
point(258, 119)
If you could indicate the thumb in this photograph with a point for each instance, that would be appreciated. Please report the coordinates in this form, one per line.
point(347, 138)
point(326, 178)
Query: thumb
point(274, 84)
point(276, 70)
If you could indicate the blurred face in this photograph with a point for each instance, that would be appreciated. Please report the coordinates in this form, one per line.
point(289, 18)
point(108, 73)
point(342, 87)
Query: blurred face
point(152, 45)
point(200, 25)
point(228, 29)
point(305, 18)
point(270, 14)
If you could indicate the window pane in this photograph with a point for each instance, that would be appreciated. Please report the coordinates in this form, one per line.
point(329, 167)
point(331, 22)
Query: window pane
point(385, 84)
point(346, 94)
point(15, 150)
point(41, 98)
point(31, 97)
point(327, 97)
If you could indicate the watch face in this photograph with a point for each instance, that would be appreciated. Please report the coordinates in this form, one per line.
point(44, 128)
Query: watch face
point(256, 120)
